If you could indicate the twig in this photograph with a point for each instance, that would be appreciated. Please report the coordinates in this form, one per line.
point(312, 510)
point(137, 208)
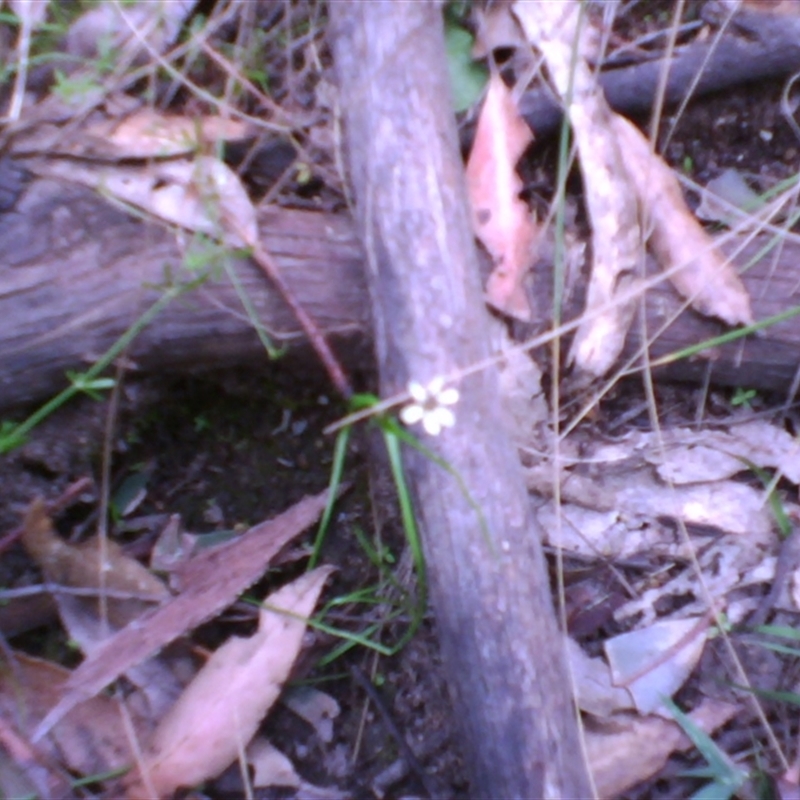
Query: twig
point(268, 266)
point(428, 783)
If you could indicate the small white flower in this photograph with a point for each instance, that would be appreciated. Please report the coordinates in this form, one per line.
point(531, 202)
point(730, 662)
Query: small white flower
point(429, 406)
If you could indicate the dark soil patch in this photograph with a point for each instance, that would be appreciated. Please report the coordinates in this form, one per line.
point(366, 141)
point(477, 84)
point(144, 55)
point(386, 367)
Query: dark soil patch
point(226, 451)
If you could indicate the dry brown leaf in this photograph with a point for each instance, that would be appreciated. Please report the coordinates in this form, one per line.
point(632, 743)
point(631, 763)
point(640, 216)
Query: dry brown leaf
point(596, 692)
point(316, 707)
point(653, 739)
point(90, 621)
point(223, 706)
point(80, 565)
point(500, 219)
point(270, 766)
point(652, 662)
point(89, 740)
point(695, 266)
point(218, 577)
point(148, 133)
point(202, 195)
point(617, 250)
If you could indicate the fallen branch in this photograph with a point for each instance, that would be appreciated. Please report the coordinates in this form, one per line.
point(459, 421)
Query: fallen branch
point(77, 272)
point(489, 587)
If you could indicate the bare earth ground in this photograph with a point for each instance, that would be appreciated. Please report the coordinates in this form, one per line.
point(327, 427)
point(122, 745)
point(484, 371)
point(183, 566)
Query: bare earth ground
point(226, 450)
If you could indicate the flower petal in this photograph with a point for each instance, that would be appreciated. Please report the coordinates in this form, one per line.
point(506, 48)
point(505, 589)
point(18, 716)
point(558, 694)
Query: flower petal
point(436, 385)
point(418, 391)
point(448, 397)
point(412, 414)
point(445, 417)
point(431, 424)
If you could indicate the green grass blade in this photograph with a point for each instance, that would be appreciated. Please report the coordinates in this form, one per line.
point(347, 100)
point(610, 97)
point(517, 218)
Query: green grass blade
point(727, 775)
point(339, 453)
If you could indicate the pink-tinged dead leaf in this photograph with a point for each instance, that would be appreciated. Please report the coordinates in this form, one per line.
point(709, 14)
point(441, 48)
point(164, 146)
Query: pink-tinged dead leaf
point(223, 706)
point(500, 219)
point(199, 195)
point(148, 133)
point(317, 708)
point(652, 739)
point(270, 766)
point(203, 195)
point(89, 740)
point(684, 250)
point(216, 578)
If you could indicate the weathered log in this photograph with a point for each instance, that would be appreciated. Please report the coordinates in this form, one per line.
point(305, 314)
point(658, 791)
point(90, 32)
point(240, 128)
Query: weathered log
point(75, 272)
point(500, 642)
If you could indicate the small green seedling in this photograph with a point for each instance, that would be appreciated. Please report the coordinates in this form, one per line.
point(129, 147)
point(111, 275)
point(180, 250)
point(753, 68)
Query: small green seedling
point(742, 397)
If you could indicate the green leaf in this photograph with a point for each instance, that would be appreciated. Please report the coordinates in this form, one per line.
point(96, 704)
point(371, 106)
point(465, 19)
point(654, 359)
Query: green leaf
point(467, 77)
point(87, 384)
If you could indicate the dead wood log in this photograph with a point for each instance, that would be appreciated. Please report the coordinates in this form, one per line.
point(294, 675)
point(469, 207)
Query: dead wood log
point(75, 272)
point(500, 642)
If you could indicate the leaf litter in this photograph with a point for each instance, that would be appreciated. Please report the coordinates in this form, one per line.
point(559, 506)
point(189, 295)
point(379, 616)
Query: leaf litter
point(222, 707)
point(213, 580)
point(701, 466)
point(632, 499)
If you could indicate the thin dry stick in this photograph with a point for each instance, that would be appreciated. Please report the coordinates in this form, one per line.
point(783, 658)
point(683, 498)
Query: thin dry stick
point(318, 341)
point(268, 266)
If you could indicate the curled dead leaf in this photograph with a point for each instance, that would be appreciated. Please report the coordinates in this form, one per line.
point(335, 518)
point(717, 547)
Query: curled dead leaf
point(652, 738)
point(500, 218)
point(684, 250)
point(80, 565)
point(560, 31)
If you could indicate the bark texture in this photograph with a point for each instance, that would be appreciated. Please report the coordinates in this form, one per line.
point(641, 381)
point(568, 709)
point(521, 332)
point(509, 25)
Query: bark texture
point(500, 641)
point(75, 272)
